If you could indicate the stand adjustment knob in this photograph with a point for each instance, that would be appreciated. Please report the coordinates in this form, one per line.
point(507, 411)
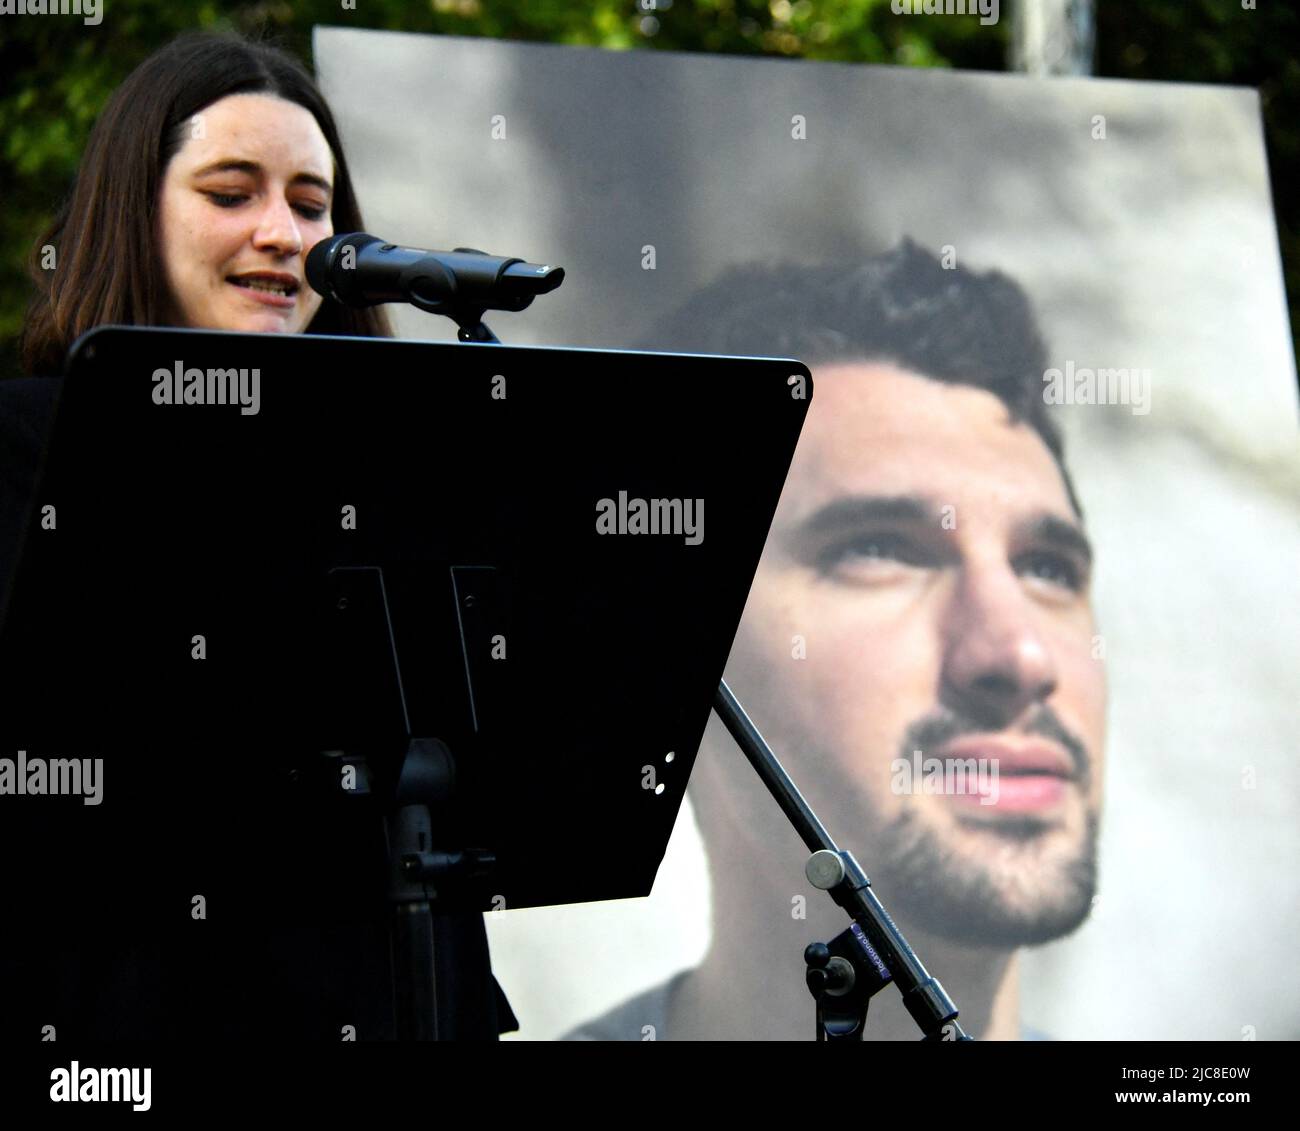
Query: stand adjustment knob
point(824, 869)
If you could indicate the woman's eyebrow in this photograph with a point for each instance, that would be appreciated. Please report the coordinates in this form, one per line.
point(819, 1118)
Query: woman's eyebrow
point(236, 165)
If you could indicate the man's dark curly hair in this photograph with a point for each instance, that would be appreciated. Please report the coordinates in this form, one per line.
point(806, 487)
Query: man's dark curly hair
point(948, 324)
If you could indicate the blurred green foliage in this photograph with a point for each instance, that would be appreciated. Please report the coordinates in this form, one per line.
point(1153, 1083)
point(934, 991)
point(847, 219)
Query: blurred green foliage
point(58, 72)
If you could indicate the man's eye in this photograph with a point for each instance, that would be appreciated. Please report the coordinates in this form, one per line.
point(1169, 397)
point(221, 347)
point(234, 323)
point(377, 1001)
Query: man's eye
point(1052, 568)
point(870, 547)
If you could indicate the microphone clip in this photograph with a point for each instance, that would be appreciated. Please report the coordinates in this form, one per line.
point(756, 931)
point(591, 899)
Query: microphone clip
point(359, 270)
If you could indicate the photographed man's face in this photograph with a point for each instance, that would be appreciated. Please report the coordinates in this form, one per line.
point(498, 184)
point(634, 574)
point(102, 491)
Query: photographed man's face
point(926, 586)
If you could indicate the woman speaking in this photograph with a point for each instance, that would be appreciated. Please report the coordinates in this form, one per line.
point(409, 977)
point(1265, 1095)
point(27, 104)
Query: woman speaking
point(213, 170)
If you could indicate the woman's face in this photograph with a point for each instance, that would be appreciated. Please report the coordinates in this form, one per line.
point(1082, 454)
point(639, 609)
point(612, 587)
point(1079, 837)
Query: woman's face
point(246, 197)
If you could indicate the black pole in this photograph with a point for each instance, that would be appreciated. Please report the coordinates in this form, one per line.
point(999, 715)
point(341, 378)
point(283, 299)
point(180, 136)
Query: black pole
point(840, 874)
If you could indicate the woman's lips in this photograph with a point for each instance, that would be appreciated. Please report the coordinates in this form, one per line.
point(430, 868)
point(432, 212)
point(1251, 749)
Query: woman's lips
point(268, 298)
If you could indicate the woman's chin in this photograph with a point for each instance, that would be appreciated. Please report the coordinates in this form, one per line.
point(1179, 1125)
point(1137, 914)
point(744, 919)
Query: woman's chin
point(255, 323)
point(244, 320)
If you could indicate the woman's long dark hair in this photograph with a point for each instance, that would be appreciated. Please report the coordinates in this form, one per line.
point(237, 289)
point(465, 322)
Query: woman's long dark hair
point(109, 262)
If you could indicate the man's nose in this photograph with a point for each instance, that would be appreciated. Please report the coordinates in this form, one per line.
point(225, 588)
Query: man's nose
point(277, 229)
point(996, 659)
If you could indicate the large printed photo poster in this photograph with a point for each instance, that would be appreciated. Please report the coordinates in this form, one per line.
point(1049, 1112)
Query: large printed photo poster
point(1041, 523)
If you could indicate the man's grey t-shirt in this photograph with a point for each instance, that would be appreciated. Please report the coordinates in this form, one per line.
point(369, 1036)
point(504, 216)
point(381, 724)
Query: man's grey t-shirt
point(629, 1021)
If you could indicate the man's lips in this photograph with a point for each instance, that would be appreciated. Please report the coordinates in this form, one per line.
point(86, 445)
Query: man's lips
point(1017, 758)
point(1031, 775)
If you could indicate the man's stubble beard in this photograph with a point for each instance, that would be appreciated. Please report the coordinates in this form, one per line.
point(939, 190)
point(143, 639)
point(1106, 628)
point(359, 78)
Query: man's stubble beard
point(1005, 901)
point(930, 885)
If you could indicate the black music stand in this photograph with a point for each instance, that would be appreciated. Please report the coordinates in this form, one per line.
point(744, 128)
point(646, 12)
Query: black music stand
point(463, 613)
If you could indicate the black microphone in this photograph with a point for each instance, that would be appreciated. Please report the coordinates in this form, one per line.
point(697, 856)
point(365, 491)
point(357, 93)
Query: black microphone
point(357, 269)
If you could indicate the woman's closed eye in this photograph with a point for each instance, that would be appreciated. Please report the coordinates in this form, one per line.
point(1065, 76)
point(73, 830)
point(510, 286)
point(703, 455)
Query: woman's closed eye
point(233, 200)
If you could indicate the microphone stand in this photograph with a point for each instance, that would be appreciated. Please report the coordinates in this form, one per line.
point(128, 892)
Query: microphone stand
point(409, 779)
point(412, 776)
point(468, 316)
point(844, 974)
point(439, 293)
